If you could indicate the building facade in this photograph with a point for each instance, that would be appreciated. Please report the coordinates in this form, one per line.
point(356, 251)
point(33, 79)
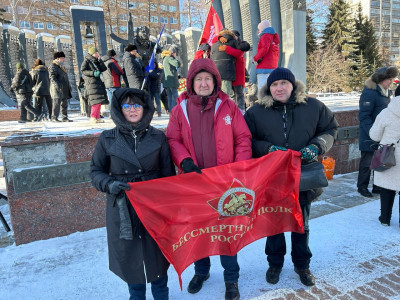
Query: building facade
point(385, 15)
point(53, 16)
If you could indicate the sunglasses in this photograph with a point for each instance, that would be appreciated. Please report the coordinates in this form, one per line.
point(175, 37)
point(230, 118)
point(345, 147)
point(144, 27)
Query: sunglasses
point(127, 106)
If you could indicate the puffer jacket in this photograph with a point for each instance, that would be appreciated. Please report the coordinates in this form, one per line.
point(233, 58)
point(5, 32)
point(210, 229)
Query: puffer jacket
point(232, 137)
point(296, 124)
point(372, 101)
point(94, 86)
point(385, 130)
point(112, 76)
point(131, 153)
point(40, 81)
point(133, 70)
point(170, 70)
point(22, 82)
point(225, 62)
point(267, 55)
point(60, 87)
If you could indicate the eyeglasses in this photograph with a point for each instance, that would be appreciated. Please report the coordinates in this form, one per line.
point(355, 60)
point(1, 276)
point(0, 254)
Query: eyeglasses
point(127, 106)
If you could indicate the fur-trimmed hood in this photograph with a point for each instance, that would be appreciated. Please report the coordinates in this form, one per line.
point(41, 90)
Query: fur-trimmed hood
point(265, 99)
point(225, 32)
point(166, 53)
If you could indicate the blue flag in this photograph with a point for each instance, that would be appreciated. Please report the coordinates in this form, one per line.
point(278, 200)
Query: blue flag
point(150, 66)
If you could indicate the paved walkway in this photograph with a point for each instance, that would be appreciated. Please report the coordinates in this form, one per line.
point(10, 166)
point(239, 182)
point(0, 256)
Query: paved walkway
point(341, 194)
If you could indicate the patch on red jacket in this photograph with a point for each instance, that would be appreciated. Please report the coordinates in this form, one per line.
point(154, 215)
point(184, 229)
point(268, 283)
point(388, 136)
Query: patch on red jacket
point(228, 120)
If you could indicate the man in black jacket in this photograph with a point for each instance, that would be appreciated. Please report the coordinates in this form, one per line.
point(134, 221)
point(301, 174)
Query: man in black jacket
point(22, 87)
point(285, 118)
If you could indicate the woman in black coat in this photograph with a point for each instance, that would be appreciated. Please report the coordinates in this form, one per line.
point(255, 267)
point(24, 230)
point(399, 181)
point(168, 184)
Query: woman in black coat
point(132, 151)
point(95, 89)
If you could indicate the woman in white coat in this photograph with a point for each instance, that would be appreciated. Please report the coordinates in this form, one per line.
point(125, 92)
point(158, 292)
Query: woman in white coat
point(386, 130)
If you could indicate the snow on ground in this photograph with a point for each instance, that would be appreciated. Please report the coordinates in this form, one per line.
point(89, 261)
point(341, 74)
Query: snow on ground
point(76, 266)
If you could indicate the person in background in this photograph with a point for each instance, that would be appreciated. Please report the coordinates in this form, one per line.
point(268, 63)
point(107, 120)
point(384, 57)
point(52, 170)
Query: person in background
point(203, 51)
point(60, 88)
point(267, 57)
point(95, 90)
point(132, 67)
point(240, 80)
point(155, 86)
point(132, 151)
point(374, 98)
point(207, 129)
point(41, 88)
point(386, 131)
point(286, 118)
point(170, 75)
point(22, 87)
point(224, 61)
point(112, 76)
point(85, 107)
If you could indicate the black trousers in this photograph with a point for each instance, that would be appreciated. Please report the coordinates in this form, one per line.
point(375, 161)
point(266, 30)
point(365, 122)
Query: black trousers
point(24, 101)
point(275, 247)
point(364, 172)
point(387, 200)
point(49, 103)
point(60, 104)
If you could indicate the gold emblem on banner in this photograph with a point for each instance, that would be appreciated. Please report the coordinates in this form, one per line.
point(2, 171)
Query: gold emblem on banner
point(236, 201)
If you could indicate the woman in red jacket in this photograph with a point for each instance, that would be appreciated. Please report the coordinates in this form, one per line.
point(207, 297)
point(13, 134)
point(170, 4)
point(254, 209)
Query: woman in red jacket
point(267, 56)
point(207, 129)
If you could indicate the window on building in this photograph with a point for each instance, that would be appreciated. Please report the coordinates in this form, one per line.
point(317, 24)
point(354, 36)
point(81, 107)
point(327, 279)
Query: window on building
point(163, 20)
point(154, 19)
point(38, 25)
point(132, 5)
point(61, 12)
point(114, 28)
point(74, 1)
point(144, 18)
point(36, 12)
point(22, 10)
point(121, 4)
point(50, 12)
point(173, 20)
point(60, 1)
point(123, 29)
point(65, 26)
point(24, 24)
point(172, 8)
point(123, 17)
point(98, 2)
point(134, 18)
point(153, 7)
point(51, 26)
point(164, 7)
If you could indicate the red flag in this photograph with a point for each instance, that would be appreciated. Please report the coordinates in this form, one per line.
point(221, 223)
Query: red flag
point(218, 212)
point(211, 28)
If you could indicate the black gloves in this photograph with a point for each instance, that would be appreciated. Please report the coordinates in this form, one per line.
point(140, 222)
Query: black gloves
point(115, 187)
point(188, 166)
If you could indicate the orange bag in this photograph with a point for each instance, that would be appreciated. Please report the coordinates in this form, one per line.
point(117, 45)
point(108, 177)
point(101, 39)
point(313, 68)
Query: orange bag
point(329, 166)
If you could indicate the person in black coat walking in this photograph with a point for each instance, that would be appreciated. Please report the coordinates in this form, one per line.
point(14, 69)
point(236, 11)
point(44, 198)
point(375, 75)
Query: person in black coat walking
point(155, 86)
point(60, 89)
point(285, 118)
point(133, 151)
point(95, 90)
point(22, 87)
point(374, 98)
point(41, 88)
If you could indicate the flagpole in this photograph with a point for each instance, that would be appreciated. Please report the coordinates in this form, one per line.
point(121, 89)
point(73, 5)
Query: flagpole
point(150, 66)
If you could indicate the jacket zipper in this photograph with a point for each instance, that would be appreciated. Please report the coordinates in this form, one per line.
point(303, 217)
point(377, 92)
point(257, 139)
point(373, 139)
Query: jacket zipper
point(284, 117)
point(133, 133)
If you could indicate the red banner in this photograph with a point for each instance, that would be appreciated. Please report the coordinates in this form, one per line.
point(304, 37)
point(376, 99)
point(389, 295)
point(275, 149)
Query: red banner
point(211, 28)
point(220, 211)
